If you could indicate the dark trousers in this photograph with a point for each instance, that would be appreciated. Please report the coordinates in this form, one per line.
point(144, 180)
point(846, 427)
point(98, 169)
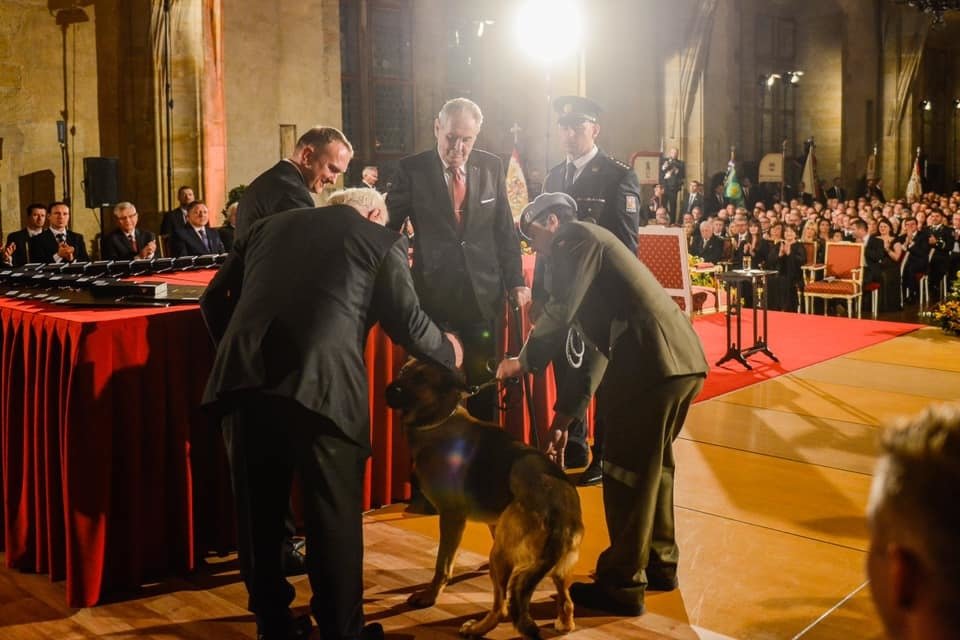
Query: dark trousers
point(643, 417)
point(267, 439)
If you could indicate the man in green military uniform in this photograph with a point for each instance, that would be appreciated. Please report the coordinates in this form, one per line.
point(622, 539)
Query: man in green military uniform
point(606, 192)
point(651, 365)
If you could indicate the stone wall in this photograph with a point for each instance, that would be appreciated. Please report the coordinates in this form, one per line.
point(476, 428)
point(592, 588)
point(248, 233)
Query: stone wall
point(31, 98)
point(281, 66)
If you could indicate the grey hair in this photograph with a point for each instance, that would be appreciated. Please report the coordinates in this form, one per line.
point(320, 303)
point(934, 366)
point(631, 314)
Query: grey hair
point(708, 223)
point(459, 105)
point(123, 206)
point(362, 199)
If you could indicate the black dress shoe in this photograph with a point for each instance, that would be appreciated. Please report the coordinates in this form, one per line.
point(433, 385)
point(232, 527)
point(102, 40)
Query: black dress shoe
point(591, 595)
point(373, 631)
point(575, 455)
point(661, 579)
point(294, 562)
point(298, 628)
point(592, 475)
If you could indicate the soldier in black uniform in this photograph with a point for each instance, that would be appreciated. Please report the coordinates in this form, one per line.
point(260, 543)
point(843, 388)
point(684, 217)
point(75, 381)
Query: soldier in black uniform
point(607, 192)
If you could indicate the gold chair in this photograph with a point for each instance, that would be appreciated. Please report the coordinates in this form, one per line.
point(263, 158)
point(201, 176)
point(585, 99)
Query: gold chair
point(163, 245)
point(843, 277)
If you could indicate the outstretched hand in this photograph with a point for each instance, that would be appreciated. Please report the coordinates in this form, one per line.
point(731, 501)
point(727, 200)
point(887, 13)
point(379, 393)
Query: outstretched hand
point(509, 368)
point(557, 446)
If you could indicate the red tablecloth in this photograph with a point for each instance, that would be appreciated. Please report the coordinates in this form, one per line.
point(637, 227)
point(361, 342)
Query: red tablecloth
point(111, 473)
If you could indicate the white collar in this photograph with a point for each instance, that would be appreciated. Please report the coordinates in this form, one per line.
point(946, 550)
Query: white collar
point(199, 229)
point(31, 232)
point(582, 161)
point(58, 231)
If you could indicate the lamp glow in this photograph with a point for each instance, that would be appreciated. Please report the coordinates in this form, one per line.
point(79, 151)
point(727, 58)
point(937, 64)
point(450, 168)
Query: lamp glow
point(549, 30)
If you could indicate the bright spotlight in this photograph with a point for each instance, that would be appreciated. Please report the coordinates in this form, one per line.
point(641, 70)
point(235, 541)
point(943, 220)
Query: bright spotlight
point(771, 80)
point(549, 30)
point(956, 103)
point(926, 105)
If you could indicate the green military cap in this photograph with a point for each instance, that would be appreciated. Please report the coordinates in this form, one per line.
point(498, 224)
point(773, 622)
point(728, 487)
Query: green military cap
point(541, 206)
point(575, 109)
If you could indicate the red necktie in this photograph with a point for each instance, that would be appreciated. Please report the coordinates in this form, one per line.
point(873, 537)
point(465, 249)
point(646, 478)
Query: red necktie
point(133, 242)
point(458, 191)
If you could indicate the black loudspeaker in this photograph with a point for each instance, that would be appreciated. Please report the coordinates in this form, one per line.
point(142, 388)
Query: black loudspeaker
point(100, 182)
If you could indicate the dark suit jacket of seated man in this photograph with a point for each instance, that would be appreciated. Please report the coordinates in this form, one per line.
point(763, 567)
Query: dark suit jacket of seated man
point(188, 241)
point(290, 373)
point(44, 246)
point(116, 246)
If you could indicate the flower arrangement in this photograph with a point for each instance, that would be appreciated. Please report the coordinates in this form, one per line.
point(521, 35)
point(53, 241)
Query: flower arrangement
point(947, 314)
point(699, 279)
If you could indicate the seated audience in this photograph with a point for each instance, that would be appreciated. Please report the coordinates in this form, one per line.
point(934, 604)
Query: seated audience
point(917, 247)
point(889, 267)
point(127, 241)
point(941, 242)
point(913, 561)
point(17, 250)
point(196, 239)
point(785, 257)
point(57, 243)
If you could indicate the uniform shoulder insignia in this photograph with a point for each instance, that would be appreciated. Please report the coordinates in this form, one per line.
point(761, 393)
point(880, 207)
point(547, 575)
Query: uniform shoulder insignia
point(622, 165)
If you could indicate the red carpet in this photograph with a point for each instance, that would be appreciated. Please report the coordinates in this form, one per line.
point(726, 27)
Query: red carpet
point(797, 340)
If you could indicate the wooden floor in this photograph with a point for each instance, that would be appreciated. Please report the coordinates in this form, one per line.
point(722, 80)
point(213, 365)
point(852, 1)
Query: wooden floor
point(772, 483)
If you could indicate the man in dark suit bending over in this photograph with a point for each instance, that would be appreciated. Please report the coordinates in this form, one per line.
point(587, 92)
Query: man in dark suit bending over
point(321, 154)
point(466, 250)
point(289, 378)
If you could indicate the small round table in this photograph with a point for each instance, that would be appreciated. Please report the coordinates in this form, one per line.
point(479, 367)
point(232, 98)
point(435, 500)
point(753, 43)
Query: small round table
point(734, 281)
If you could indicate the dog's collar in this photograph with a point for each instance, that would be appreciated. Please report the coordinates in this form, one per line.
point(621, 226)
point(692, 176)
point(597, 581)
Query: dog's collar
point(432, 426)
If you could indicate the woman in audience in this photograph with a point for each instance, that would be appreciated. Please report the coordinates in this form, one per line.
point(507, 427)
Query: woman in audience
point(889, 267)
point(809, 233)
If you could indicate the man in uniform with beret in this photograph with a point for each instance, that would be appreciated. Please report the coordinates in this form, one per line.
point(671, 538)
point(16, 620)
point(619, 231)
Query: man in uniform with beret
point(651, 365)
point(607, 192)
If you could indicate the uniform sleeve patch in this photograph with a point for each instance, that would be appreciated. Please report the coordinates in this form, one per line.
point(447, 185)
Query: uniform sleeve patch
point(631, 204)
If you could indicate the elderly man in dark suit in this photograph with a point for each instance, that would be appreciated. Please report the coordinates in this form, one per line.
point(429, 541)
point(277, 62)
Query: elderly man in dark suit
point(58, 243)
point(466, 250)
point(196, 239)
point(652, 367)
point(321, 155)
point(17, 250)
point(127, 241)
point(289, 375)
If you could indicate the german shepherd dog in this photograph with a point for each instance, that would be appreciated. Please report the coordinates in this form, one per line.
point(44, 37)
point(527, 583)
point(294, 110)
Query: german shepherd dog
point(473, 470)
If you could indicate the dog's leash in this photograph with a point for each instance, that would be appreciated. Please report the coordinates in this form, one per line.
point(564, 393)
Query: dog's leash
point(527, 391)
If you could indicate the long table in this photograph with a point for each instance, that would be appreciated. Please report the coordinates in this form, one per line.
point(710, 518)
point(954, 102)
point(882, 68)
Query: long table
point(112, 475)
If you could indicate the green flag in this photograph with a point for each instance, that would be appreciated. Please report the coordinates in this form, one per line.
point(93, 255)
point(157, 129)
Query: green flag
point(732, 190)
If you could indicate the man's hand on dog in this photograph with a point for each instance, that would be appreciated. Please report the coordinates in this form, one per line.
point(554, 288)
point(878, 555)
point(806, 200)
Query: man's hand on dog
point(520, 296)
point(457, 348)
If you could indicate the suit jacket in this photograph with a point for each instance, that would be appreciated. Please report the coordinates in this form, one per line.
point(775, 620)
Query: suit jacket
point(751, 197)
point(711, 251)
point(837, 192)
point(116, 246)
point(874, 256)
point(173, 220)
point(43, 247)
point(21, 255)
point(186, 242)
point(918, 251)
point(299, 331)
point(449, 262)
point(673, 182)
point(606, 293)
point(279, 188)
point(696, 201)
point(607, 192)
point(227, 234)
point(713, 204)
